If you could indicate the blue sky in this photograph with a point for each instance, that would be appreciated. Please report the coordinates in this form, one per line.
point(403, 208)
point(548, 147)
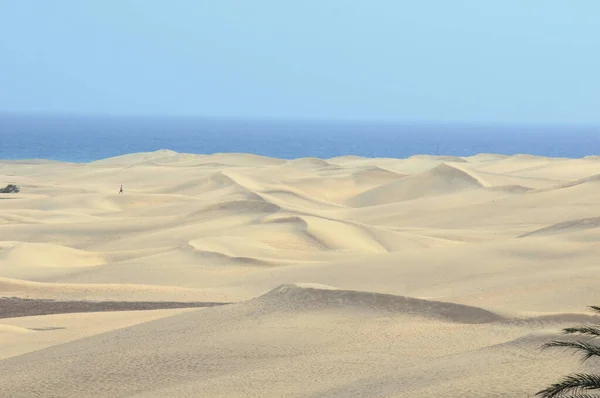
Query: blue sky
point(513, 61)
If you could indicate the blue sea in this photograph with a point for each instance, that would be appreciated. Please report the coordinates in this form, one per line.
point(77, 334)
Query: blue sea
point(84, 139)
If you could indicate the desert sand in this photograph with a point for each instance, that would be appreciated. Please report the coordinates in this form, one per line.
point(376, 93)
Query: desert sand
point(343, 277)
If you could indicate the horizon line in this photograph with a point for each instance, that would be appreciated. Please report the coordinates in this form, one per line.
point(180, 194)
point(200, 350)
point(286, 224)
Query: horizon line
point(285, 119)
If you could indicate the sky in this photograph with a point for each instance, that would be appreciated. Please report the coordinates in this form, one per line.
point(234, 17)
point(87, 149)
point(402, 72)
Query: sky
point(509, 61)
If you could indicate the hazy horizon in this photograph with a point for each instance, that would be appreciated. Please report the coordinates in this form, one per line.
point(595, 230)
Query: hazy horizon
point(306, 120)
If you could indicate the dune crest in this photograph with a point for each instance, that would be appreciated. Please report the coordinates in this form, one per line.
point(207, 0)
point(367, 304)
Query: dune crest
point(134, 158)
point(442, 158)
point(242, 206)
point(308, 163)
point(565, 227)
point(22, 254)
point(313, 296)
point(440, 180)
point(586, 180)
point(9, 329)
point(374, 174)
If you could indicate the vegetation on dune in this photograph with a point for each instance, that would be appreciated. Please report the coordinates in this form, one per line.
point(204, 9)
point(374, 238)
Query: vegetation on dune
point(578, 385)
point(10, 188)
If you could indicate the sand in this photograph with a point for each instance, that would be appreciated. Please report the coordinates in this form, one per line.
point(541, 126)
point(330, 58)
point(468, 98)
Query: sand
point(344, 277)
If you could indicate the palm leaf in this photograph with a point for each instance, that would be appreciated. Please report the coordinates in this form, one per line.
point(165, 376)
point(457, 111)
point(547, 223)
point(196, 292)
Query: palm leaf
point(588, 349)
point(595, 308)
point(580, 396)
point(575, 383)
point(587, 330)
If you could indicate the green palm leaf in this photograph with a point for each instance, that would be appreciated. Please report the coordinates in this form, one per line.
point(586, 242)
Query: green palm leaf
point(576, 383)
point(588, 349)
point(587, 330)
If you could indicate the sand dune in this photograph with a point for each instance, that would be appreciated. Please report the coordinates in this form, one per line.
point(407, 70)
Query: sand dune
point(308, 164)
point(18, 254)
point(242, 206)
point(9, 329)
point(336, 189)
point(566, 227)
point(181, 363)
point(238, 249)
point(377, 175)
point(587, 180)
point(485, 157)
point(432, 276)
point(440, 180)
point(345, 159)
point(134, 158)
point(296, 199)
point(442, 158)
point(517, 164)
point(334, 235)
point(105, 292)
point(517, 189)
point(245, 159)
point(32, 333)
point(300, 297)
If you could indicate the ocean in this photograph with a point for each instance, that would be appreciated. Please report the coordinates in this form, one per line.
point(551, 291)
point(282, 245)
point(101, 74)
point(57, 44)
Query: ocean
point(84, 139)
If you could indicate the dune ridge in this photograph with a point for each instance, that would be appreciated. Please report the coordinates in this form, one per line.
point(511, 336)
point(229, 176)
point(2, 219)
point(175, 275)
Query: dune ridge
point(24, 254)
point(239, 275)
point(310, 296)
point(440, 180)
point(566, 227)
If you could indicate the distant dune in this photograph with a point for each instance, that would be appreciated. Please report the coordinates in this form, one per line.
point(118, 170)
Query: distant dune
point(440, 180)
point(307, 163)
point(46, 255)
point(340, 277)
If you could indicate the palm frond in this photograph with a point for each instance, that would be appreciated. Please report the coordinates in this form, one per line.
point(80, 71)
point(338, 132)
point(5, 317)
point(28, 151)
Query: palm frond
point(587, 330)
point(575, 383)
point(588, 349)
point(595, 308)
